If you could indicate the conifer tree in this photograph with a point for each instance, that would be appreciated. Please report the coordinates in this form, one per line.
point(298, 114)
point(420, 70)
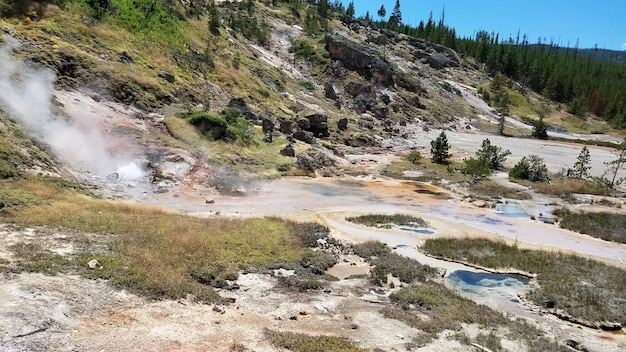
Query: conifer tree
point(581, 166)
point(439, 149)
point(382, 12)
point(396, 15)
point(350, 9)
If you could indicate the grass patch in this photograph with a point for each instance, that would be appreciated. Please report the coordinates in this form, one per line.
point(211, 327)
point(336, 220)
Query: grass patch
point(386, 262)
point(429, 171)
point(259, 158)
point(307, 343)
point(607, 226)
point(164, 254)
point(565, 187)
point(492, 189)
point(444, 309)
point(584, 288)
point(387, 221)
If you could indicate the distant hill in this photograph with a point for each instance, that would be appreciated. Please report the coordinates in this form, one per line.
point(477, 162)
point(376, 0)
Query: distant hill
point(605, 55)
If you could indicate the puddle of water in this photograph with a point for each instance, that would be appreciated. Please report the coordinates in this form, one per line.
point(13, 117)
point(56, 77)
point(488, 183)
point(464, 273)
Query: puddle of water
point(515, 210)
point(469, 282)
point(420, 231)
point(424, 188)
point(511, 210)
point(331, 190)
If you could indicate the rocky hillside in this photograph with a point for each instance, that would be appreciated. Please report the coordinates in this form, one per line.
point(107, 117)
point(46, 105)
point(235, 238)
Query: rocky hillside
point(352, 83)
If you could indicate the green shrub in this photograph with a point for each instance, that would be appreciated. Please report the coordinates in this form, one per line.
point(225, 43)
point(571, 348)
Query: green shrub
point(305, 49)
point(150, 17)
point(476, 167)
point(414, 156)
point(530, 168)
point(209, 124)
point(307, 85)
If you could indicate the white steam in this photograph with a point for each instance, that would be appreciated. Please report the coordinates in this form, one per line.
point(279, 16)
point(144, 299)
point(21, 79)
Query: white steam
point(26, 95)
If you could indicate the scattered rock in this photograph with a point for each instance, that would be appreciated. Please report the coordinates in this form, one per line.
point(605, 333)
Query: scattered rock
point(610, 326)
point(439, 61)
point(318, 124)
point(93, 264)
point(167, 76)
point(267, 123)
point(342, 124)
point(268, 137)
point(305, 136)
point(218, 309)
point(286, 127)
point(288, 150)
point(209, 201)
point(125, 57)
point(576, 345)
point(239, 105)
point(479, 203)
point(313, 159)
point(330, 92)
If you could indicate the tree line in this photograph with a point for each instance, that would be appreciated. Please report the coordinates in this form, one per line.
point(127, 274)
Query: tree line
point(568, 76)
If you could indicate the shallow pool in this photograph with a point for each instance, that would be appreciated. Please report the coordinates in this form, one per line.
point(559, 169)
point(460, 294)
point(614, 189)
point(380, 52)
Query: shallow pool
point(469, 282)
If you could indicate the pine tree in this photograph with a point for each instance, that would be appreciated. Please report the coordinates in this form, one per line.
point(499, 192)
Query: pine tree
point(382, 13)
point(350, 9)
point(540, 129)
point(396, 15)
point(581, 166)
point(439, 149)
point(492, 155)
point(617, 164)
point(214, 17)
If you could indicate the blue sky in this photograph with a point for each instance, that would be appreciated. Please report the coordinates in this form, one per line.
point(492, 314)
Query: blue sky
point(601, 22)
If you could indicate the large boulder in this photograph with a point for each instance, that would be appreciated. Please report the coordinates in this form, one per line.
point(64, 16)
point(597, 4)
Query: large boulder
point(288, 150)
point(286, 127)
point(330, 92)
point(439, 61)
point(342, 124)
point(313, 160)
point(239, 105)
point(317, 124)
point(267, 123)
point(305, 136)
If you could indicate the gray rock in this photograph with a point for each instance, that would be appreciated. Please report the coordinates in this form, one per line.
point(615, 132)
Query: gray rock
point(267, 123)
point(439, 61)
point(318, 124)
point(330, 92)
point(286, 127)
point(342, 124)
point(239, 105)
point(288, 150)
point(313, 159)
point(305, 136)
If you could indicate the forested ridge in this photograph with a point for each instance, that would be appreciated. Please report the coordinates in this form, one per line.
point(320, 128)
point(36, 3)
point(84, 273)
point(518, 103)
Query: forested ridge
point(584, 80)
point(588, 81)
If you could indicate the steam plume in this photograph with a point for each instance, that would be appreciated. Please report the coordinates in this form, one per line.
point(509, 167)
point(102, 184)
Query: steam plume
point(26, 94)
